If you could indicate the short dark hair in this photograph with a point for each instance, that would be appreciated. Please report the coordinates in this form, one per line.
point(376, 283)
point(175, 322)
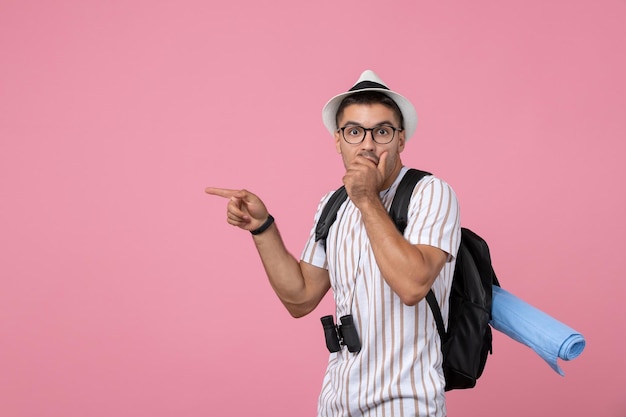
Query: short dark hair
point(369, 97)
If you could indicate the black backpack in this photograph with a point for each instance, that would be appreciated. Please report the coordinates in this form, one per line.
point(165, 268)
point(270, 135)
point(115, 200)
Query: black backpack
point(468, 341)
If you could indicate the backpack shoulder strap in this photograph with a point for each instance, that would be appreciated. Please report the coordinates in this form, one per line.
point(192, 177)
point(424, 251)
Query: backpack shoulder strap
point(434, 307)
point(399, 210)
point(329, 214)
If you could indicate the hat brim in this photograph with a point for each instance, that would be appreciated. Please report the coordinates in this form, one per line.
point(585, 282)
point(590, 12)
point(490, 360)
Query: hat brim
point(329, 112)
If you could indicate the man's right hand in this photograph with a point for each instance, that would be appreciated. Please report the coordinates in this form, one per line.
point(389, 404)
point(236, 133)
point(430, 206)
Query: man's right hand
point(244, 210)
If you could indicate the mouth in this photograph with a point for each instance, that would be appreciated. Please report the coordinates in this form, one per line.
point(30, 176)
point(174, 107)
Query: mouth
point(370, 155)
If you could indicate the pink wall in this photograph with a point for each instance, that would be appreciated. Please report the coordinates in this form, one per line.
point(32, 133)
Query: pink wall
point(124, 292)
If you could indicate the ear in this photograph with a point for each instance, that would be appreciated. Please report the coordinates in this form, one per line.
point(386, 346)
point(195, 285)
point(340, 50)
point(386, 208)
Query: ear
point(338, 141)
point(401, 140)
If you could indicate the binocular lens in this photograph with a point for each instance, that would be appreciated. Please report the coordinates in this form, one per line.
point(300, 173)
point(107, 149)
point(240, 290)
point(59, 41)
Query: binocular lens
point(350, 336)
point(330, 333)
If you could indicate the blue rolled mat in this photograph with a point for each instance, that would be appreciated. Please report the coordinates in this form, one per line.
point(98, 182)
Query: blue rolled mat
point(522, 322)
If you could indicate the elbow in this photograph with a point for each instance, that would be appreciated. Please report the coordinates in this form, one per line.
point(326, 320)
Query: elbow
point(296, 314)
point(415, 289)
point(411, 299)
point(413, 295)
point(297, 311)
point(300, 308)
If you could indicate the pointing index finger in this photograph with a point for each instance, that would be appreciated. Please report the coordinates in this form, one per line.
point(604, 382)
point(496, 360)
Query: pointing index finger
point(221, 192)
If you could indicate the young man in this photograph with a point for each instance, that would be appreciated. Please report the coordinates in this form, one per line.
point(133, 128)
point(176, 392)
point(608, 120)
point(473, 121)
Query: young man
point(378, 276)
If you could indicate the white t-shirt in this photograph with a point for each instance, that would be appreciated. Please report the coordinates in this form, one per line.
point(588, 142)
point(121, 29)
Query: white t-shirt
point(398, 370)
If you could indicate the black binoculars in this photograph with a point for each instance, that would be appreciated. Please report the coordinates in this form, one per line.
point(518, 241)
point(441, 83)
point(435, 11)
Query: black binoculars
point(338, 335)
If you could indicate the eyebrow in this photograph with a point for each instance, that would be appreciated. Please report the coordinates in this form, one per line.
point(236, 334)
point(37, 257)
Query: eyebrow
point(385, 122)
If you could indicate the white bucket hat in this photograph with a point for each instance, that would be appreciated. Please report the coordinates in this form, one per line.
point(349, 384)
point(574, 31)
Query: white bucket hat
point(369, 81)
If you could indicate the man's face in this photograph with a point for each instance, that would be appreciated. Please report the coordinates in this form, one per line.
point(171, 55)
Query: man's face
point(369, 116)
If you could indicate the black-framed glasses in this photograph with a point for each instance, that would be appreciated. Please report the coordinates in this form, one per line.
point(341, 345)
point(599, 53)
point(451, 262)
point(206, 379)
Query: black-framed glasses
point(382, 134)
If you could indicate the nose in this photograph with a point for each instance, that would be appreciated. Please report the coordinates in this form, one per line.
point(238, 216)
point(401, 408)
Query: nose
point(368, 142)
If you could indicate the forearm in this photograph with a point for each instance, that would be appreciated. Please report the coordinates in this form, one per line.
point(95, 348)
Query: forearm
point(285, 274)
point(404, 266)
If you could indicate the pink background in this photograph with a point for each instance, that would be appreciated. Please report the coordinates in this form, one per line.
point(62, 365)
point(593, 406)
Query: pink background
point(124, 292)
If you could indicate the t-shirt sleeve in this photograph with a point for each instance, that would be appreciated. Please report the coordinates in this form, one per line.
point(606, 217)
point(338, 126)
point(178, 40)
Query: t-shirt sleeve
point(434, 217)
